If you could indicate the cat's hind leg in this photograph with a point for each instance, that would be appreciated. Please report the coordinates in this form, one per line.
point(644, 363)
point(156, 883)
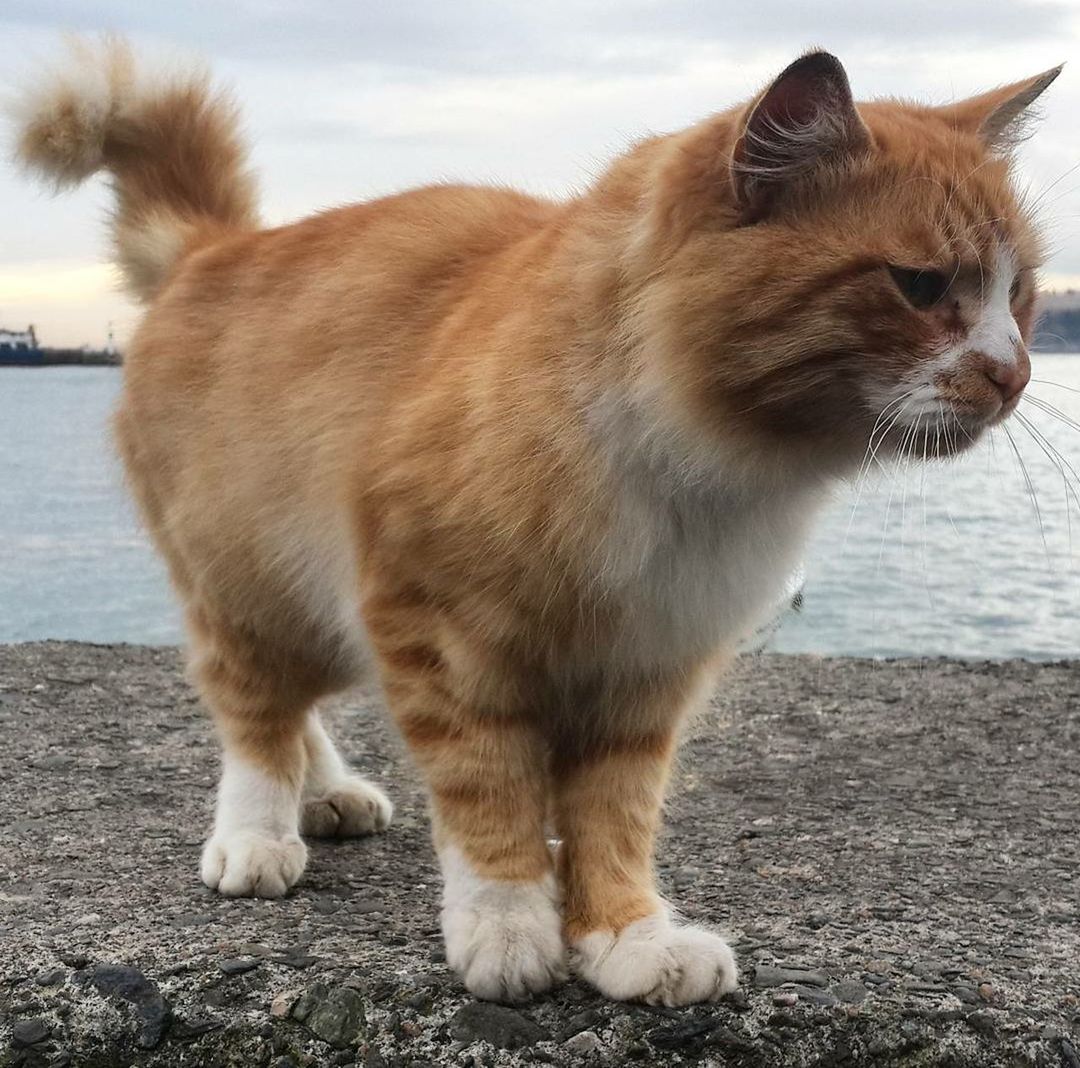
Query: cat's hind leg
point(260, 706)
point(335, 801)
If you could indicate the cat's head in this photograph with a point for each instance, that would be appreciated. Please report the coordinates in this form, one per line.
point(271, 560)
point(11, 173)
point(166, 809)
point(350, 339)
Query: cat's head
point(831, 275)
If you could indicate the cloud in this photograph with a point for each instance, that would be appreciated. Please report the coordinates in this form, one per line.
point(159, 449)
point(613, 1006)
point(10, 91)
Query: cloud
point(347, 100)
point(494, 36)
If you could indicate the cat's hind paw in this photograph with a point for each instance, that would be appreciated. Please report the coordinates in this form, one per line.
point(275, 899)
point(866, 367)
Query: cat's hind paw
point(249, 864)
point(351, 808)
point(655, 961)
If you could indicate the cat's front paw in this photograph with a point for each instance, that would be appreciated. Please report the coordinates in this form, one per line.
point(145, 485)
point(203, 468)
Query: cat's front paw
point(352, 807)
point(249, 864)
point(655, 961)
point(504, 939)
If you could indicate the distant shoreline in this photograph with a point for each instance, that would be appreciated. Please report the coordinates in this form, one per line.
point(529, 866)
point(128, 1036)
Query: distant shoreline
point(64, 358)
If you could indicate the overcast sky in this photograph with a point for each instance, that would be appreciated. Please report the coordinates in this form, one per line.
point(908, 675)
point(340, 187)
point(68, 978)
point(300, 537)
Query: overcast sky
point(349, 100)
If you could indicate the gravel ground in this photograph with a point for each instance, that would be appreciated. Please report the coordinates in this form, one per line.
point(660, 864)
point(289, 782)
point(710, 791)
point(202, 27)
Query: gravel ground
point(891, 846)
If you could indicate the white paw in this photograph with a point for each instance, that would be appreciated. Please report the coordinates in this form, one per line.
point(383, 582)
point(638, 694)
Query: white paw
point(350, 808)
point(653, 960)
point(504, 939)
point(249, 864)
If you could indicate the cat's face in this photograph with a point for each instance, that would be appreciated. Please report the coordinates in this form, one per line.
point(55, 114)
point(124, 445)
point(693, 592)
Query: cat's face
point(871, 284)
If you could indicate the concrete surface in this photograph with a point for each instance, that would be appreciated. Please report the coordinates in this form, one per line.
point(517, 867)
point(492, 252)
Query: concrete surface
point(893, 848)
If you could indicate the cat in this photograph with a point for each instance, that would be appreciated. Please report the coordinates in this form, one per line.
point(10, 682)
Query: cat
point(545, 462)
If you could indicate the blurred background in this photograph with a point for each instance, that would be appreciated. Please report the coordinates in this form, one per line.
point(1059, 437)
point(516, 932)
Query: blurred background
point(349, 101)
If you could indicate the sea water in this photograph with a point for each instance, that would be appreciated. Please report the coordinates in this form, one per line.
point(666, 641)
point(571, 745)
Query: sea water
point(977, 557)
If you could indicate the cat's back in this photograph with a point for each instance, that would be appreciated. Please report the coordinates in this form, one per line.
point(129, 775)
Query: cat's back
point(416, 247)
point(347, 298)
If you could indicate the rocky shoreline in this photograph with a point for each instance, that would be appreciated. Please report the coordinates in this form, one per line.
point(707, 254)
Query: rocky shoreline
point(892, 848)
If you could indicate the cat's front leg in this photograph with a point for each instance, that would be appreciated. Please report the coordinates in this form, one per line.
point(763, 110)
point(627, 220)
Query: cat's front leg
point(623, 937)
point(487, 775)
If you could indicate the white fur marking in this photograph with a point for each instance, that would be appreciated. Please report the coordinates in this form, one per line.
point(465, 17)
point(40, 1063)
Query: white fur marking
point(503, 938)
point(337, 803)
point(255, 850)
point(655, 961)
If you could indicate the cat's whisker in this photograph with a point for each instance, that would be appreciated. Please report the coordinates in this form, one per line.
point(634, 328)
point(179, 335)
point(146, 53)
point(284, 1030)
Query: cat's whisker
point(1053, 411)
point(1050, 382)
point(1059, 462)
point(870, 456)
point(1031, 492)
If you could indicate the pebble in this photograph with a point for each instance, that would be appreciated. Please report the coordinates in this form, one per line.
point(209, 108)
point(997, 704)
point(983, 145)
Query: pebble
point(295, 957)
point(815, 995)
point(29, 1033)
point(503, 1027)
point(688, 1036)
point(582, 1021)
point(767, 975)
point(850, 991)
point(129, 984)
point(583, 1043)
point(49, 976)
point(786, 999)
point(235, 966)
point(333, 1013)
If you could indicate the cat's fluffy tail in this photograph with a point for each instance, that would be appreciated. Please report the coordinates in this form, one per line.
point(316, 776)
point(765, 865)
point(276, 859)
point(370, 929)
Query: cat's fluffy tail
point(170, 143)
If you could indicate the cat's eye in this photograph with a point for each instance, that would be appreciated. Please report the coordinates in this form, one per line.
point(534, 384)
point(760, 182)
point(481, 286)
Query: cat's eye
point(923, 288)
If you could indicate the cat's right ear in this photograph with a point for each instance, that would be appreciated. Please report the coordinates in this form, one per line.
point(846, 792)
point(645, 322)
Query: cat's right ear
point(804, 119)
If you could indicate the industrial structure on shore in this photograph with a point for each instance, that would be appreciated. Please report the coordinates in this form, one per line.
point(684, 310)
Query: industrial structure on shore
point(20, 348)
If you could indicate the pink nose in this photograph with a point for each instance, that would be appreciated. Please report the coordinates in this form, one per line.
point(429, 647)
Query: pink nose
point(1010, 379)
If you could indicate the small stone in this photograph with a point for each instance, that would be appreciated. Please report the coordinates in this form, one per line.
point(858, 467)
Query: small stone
point(850, 991)
point(29, 1033)
point(189, 1030)
point(501, 1026)
point(334, 1014)
point(374, 1059)
point(582, 1021)
point(967, 994)
point(283, 1002)
point(768, 975)
point(236, 966)
point(689, 1036)
point(295, 957)
point(583, 1043)
point(50, 977)
point(987, 992)
point(815, 995)
point(75, 959)
point(785, 999)
point(123, 981)
point(982, 1022)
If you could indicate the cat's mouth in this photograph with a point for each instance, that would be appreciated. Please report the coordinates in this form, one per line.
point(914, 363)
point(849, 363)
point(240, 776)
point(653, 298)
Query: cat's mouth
point(951, 428)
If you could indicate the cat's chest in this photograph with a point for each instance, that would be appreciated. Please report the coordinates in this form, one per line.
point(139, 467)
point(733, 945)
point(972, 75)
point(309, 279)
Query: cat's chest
point(696, 576)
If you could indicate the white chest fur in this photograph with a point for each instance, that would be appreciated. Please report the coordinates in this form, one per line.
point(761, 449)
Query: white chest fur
point(699, 569)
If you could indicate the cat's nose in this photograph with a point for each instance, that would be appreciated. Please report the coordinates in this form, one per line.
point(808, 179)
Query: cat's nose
point(1010, 378)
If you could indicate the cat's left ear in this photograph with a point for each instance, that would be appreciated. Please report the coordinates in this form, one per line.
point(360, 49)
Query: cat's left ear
point(1000, 116)
point(803, 120)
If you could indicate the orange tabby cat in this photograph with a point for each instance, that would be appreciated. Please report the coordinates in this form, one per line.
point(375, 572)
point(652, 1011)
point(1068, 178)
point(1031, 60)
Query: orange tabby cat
point(547, 461)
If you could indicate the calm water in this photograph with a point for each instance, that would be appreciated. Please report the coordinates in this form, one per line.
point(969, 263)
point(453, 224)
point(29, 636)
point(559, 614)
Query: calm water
point(947, 559)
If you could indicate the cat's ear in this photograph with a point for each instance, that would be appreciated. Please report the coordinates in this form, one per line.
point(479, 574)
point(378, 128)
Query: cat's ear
point(1000, 117)
point(803, 119)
